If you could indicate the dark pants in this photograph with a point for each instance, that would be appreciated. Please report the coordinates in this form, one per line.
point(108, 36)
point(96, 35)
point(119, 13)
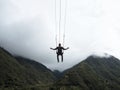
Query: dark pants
point(61, 57)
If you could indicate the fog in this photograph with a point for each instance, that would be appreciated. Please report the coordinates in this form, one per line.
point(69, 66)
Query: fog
point(27, 28)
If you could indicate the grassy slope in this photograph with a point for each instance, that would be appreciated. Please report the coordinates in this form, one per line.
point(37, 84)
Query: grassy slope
point(22, 73)
point(94, 73)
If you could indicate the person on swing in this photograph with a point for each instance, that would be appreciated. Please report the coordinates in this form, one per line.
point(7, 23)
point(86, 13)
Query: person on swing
point(59, 51)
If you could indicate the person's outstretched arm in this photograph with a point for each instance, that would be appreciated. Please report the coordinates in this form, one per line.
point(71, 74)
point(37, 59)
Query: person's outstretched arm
point(65, 48)
point(53, 48)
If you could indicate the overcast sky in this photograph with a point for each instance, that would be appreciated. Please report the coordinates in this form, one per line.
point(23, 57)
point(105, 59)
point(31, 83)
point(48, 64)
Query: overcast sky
point(27, 28)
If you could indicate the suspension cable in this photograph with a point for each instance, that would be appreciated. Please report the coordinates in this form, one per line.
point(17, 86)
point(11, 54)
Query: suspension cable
point(65, 23)
point(60, 22)
point(55, 23)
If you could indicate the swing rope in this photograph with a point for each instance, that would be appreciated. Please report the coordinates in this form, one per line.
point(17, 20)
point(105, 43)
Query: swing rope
point(55, 24)
point(60, 22)
point(58, 35)
point(65, 22)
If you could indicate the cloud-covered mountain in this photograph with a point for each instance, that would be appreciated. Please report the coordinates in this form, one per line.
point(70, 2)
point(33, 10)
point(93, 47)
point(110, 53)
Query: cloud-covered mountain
point(21, 73)
point(94, 73)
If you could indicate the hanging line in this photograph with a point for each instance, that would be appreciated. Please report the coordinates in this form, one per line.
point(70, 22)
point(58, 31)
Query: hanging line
point(65, 23)
point(55, 24)
point(60, 22)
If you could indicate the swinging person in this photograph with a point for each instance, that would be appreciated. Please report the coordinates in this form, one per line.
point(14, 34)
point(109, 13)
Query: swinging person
point(59, 51)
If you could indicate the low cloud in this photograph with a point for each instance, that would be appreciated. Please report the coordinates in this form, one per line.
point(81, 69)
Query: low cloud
point(27, 28)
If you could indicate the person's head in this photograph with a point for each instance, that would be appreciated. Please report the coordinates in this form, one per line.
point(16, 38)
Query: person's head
point(59, 44)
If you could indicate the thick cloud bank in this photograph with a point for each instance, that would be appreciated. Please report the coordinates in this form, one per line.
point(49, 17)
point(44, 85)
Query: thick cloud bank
point(27, 28)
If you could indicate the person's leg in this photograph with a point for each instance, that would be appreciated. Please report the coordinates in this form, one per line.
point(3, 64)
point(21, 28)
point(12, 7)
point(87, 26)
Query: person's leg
point(62, 57)
point(57, 57)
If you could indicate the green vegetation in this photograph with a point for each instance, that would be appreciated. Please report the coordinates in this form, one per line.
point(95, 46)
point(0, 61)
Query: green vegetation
point(94, 73)
point(20, 73)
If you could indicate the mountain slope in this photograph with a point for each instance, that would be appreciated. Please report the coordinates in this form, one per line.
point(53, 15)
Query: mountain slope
point(10, 69)
point(94, 73)
point(22, 73)
point(42, 73)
